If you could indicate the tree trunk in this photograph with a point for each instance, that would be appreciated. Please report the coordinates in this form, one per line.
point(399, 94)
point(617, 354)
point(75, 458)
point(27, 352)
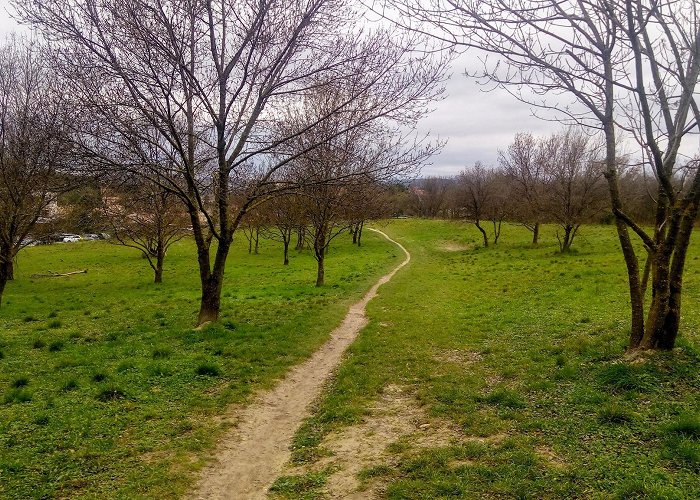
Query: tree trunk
point(159, 269)
point(301, 233)
point(354, 230)
point(286, 251)
point(3, 281)
point(212, 280)
point(321, 270)
point(483, 233)
point(320, 250)
point(257, 239)
point(211, 300)
point(569, 233)
point(9, 269)
point(536, 233)
point(664, 316)
point(360, 227)
point(496, 231)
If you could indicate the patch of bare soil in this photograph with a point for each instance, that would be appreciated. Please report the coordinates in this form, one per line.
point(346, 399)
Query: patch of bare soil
point(395, 417)
point(253, 454)
point(458, 356)
point(452, 246)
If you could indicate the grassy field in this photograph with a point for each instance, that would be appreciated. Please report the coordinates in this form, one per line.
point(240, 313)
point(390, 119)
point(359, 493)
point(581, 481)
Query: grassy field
point(520, 351)
point(106, 390)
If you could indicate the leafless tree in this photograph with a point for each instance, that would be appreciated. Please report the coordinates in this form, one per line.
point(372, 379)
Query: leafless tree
point(574, 191)
point(522, 163)
point(429, 196)
point(365, 202)
point(482, 196)
point(34, 144)
point(628, 68)
point(283, 216)
point(144, 216)
point(211, 79)
point(331, 175)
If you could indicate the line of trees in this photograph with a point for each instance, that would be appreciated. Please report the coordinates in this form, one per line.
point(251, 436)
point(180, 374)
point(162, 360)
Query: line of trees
point(228, 112)
point(556, 179)
point(626, 69)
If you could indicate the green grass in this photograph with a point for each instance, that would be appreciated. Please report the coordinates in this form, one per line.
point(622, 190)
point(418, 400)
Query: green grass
point(542, 338)
point(107, 390)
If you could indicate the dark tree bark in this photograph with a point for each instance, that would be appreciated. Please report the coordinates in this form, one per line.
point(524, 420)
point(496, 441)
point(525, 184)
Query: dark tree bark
point(301, 237)
point(3, 282)
point(536, 233)
point(483, 233)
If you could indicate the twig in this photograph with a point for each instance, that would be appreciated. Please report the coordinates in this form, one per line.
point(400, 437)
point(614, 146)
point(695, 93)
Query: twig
point(52, 274)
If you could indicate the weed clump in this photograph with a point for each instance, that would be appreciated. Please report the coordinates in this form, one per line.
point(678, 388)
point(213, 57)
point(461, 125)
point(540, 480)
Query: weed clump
point(208, 370)
point(502, 397)
point(686, 426)
point(55, 346)
point(614, 414)
point(70, 385)
point(18, 395)
point(112, 393)
point(624, 377)
point(38, 344)
point(20, 382)
point(160, 353)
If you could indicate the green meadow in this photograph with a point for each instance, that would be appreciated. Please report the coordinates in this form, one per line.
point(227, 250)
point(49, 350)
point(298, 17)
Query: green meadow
point(107, 390)
point(520, 352)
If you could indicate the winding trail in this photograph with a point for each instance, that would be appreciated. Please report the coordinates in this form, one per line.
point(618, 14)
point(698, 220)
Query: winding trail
point(251, 456)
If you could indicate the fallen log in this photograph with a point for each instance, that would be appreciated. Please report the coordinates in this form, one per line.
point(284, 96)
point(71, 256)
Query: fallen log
point(53, 274)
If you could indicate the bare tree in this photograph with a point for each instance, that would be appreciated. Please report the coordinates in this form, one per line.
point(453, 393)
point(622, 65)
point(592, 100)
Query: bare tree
point(33, 147)
point(482, 197)
point(429, 196)
point(284, 218)
point(574, 191)
point(522, 163)
point(211, 78)
point(148, 218)
point(331, 175)
point(628, 68)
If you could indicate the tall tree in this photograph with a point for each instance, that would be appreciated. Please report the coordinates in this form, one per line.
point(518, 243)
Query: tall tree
point(627, 68)
point(210, 78)
point(34, 144)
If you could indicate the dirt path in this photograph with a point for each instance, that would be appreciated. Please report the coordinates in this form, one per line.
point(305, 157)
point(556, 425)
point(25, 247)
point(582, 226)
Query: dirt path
point(253, 454)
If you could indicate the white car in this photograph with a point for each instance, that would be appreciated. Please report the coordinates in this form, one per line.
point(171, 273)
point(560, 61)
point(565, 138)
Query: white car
point(71, 238)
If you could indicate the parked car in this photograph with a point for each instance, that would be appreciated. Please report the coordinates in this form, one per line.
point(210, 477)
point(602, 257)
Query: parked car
point(91, 237)
point(70, 238)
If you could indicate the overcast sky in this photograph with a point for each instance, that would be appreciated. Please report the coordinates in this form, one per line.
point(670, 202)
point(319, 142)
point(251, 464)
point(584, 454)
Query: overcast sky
point(474, 123)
